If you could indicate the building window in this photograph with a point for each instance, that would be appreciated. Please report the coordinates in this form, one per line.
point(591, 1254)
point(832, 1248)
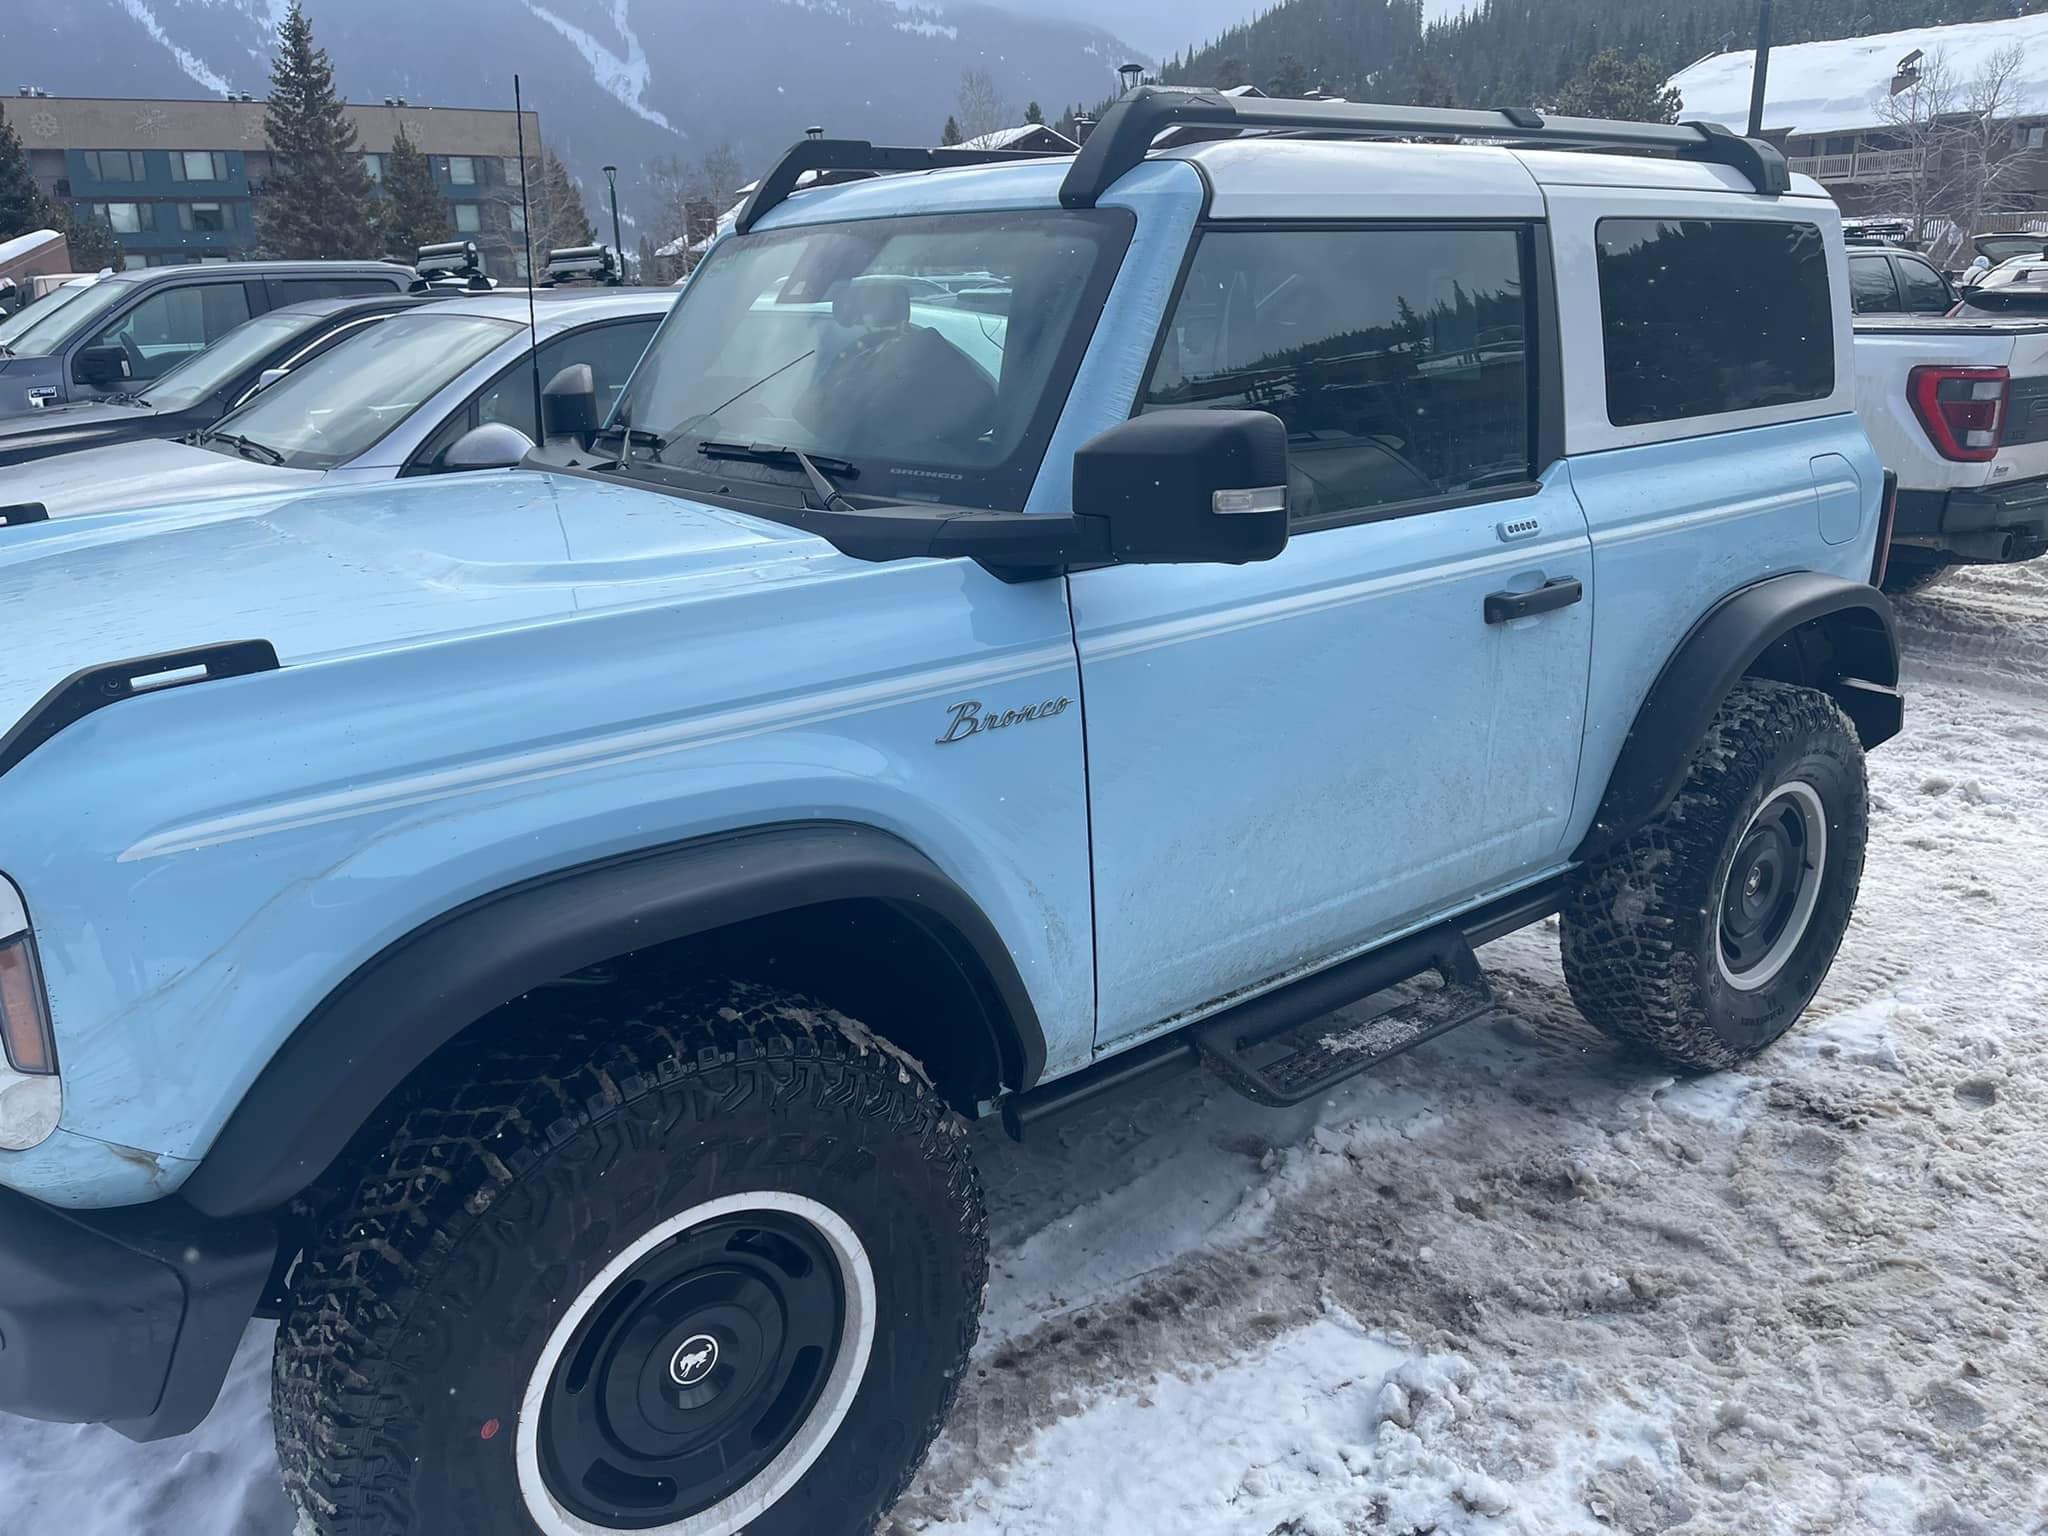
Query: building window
point(515, 173)
point(206, 218)
point(199, 165)
point(466, 219)
point(1841, 144)
point(114, 164)
point(461, 171)
point(373, 167)
point(2031, 136)
point(127, 218)
point(518, 216)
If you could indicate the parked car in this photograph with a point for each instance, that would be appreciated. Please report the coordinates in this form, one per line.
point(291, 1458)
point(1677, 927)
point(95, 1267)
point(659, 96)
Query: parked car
point(543, 934)
point(197, 393)
point(447, 386)
point(1886, 281)
point(2017, 287)
point(1995, 250)
point(131, 328)
point(1958, 408)
point(39, 308)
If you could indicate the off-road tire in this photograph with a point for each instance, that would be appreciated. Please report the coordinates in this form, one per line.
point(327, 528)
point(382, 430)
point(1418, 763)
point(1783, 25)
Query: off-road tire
point(1642, 928)
point(418, 1314)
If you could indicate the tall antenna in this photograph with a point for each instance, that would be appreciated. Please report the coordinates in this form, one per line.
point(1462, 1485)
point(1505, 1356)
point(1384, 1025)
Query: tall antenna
point(540, 425)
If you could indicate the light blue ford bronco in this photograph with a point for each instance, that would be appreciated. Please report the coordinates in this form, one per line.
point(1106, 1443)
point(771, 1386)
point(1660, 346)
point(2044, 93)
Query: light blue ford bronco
point(1029, 625)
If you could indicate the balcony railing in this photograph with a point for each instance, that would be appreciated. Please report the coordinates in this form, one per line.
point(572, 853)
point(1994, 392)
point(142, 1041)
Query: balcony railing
point(1864, 165)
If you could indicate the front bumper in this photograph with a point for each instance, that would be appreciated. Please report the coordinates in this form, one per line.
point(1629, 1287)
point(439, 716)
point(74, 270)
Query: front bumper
point(126, 1317)
point(1993, 523)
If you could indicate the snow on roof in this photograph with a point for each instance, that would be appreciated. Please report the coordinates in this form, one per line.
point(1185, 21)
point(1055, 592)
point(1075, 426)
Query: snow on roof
point(1003, 138)
point(22, 245)
point(1836, 86)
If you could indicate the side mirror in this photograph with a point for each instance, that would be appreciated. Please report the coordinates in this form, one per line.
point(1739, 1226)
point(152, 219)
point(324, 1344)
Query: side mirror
point(101, 367)
point(1187, 487)
point(568, 405)
point(494, 445)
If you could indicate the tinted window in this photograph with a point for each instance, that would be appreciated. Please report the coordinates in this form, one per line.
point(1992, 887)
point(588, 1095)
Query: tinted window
point(1397, 358)
point(174, 324)
point(1924, 290)
point(1871, 287)
point(1706, 316)
point(294, 290)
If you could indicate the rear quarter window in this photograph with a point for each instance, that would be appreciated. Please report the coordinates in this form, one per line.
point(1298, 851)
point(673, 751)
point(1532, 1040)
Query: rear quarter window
point(1705, 317)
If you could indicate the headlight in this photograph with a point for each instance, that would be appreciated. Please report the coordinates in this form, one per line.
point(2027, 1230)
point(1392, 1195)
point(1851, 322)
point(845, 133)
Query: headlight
point(31, 1095)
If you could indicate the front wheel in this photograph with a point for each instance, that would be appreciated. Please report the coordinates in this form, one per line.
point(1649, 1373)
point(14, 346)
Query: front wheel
point(707, 1268)
point(1706, 934)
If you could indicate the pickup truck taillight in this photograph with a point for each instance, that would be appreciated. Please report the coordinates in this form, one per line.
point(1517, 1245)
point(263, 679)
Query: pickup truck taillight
point(1963, 409)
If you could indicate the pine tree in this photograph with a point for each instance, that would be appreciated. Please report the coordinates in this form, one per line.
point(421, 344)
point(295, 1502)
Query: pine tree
point(415, 213)
point(951, 133)
point(317, 202)
point(1612, 86)
point(1034, 113)
point(91, 241)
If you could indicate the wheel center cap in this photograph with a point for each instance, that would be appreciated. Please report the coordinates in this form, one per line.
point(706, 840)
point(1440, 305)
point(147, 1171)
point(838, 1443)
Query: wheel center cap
point(695, 1358)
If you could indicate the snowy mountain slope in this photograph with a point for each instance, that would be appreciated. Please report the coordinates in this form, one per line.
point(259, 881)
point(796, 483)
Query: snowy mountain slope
point(620, 81)
point(1518, 1282)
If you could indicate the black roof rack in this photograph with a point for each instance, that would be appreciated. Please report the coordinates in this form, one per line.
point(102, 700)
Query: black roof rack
point(1124, 136)
point(808, 155)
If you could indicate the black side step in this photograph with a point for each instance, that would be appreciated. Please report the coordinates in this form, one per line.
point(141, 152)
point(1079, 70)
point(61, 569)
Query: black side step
point(1274, 1056)
point(83, 693)
point(22, 513)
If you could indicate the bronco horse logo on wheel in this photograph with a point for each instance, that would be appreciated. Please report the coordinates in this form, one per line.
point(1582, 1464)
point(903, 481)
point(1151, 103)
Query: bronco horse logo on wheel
point(694, 1360)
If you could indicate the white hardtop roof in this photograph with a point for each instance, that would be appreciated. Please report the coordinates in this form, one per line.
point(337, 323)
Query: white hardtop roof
point(1305, 178)
point(22, 245)
point(1836, 86)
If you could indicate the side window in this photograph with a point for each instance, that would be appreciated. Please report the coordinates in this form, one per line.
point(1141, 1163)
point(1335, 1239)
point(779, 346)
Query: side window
point(1398, 358)
point(611, 351)
point(295, 290)
point(1701, 317)
point(1871, 288)
point(1924, 290)
point(173, 324)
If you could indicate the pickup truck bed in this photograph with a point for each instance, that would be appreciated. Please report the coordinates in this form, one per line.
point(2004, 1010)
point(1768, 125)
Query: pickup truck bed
point(1965, 497)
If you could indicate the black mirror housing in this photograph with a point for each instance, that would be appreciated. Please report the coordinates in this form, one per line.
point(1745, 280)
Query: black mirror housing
point(568, 404)
point(101, 366)
point(1186, 487)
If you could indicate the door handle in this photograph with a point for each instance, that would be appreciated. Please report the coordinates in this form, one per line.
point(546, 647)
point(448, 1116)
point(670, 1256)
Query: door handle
point(1548, 598)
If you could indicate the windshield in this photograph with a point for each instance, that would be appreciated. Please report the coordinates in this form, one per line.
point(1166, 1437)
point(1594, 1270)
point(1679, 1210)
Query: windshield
point(2006, 247)
point(58, 323)
point(37, 310)
point(343, 403)
point(240, 349)
point(931, 354)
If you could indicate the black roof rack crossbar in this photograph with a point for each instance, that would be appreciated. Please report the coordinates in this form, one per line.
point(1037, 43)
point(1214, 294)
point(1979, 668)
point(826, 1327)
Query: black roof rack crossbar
point(1125, 135)
point(82, 693)
point(808, 155)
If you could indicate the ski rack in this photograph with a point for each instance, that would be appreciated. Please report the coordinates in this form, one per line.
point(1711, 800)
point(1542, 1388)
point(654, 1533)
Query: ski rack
point(807, 155)
point(1126, 133)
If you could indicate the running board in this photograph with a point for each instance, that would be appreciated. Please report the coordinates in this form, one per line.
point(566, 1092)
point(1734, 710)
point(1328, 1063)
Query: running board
point(1276, 1057)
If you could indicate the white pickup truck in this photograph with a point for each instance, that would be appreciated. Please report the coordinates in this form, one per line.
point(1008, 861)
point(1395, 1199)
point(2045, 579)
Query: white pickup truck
point(1958, 407)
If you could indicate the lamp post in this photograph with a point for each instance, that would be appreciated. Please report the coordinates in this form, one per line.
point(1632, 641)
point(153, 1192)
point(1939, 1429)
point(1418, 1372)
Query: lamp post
point(1762, 73)
point(611, 176)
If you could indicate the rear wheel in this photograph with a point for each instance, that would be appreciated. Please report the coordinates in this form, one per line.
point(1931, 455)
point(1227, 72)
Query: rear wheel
point(704, 1268)
point(1705, 935)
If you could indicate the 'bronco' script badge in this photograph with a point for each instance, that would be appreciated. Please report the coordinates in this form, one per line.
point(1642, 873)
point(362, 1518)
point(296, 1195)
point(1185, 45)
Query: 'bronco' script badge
point(968, 720)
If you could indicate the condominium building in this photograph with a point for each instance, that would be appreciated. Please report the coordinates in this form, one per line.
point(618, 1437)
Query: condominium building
point(178, 180)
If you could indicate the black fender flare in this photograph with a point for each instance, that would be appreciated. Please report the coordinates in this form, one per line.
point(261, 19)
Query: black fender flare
point(1804, 626)
point(420, 991)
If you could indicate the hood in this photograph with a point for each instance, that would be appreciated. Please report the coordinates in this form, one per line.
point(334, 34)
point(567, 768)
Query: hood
point(361, 568)
point(144, 474)
point(67, 428)
point(18, 375)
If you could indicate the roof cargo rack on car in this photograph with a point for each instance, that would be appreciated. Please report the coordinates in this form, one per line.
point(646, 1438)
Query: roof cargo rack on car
point(1124, 136)
point(1127, 132)
point(450, 264)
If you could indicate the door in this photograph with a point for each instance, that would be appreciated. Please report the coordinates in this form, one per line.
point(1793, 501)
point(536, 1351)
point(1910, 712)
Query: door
point(173, 324)
point(1291, 760)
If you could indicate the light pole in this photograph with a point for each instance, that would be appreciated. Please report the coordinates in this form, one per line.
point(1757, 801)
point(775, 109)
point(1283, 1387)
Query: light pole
point(1762, 72)
point(611, 176)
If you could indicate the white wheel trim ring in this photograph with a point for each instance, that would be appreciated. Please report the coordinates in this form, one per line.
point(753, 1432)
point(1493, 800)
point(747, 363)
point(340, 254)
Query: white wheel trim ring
point(1815, 814)
point(736, 1510)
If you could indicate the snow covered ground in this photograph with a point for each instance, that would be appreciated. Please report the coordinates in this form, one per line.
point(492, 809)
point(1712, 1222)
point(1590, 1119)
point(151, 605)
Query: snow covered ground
point(1515, 1282)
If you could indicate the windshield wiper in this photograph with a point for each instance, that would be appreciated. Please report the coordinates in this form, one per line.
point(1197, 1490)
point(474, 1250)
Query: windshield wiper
point(814, 466)
point(630, 434)
point(247, 447)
